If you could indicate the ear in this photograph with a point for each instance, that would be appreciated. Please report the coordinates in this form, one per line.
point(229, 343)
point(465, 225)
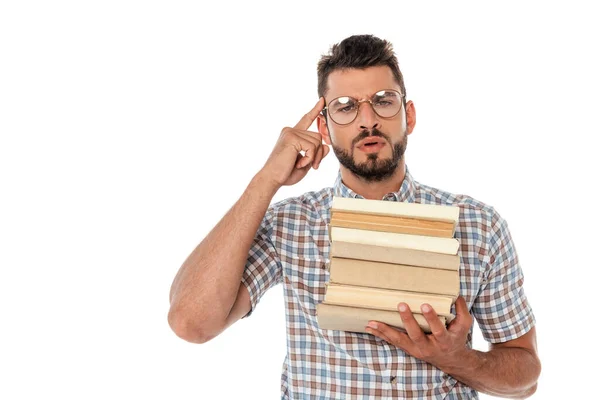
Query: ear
point(323, 130)
point(411, 117)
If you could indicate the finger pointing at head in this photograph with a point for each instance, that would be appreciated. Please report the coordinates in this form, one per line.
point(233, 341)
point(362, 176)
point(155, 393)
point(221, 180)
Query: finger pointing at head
point(310, 116)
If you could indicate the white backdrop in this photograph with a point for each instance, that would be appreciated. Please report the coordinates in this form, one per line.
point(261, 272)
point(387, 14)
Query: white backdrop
point(120, 149)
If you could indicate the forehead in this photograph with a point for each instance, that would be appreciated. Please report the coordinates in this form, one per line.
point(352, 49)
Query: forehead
point(360, 83)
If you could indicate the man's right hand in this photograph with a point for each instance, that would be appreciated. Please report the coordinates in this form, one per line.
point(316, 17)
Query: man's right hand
point(286, 165)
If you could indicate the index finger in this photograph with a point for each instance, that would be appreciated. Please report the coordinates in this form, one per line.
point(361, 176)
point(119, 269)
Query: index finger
point(437, 328)
point(310, 116)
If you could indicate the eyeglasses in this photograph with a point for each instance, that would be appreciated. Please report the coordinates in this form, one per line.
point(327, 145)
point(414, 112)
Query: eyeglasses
point(386, 103)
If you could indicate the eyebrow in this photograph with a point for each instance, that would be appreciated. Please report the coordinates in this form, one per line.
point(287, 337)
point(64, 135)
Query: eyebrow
point(370, 96)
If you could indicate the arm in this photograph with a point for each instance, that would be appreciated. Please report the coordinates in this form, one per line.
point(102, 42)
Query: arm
point(208, 284)
point(512, 356)
point(207, 294)
point(509, 369)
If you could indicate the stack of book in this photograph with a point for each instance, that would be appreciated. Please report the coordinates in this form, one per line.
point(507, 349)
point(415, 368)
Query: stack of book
point(383, 253)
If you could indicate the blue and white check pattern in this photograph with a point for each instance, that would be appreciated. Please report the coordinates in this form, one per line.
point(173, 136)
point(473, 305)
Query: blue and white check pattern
point(292, 247)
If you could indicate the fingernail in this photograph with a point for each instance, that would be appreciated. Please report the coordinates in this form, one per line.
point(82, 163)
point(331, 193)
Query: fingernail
point(372, 325)
point(425, 308)
point(402, 307)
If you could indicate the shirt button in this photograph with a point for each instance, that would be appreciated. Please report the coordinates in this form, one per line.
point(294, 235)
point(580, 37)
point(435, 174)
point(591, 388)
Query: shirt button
point(393, 380)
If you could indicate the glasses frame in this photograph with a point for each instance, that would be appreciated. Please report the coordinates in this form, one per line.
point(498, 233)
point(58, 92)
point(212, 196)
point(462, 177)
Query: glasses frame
point(370, 101)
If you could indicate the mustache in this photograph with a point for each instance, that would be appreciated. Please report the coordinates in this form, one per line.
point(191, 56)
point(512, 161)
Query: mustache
point(366, 133)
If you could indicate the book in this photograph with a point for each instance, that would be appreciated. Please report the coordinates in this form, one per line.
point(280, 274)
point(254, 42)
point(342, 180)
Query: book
point(383, 253)
point(355, 319)
point(385, 223)
point(385, 299)
point(395, 240)
point(395, 248)
point(394, 276)
point(393, 216)
point(428, 212)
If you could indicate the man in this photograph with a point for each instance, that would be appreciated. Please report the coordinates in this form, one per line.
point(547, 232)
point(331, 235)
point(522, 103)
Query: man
point(365, 117)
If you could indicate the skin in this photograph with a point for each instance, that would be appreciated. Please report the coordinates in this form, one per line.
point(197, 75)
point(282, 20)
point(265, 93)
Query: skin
point(510, 369)
point(362, 84)
point(206, 296)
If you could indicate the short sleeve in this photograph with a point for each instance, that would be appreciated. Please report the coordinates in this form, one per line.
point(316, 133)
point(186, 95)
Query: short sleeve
point(263, 266)
point(501, 307)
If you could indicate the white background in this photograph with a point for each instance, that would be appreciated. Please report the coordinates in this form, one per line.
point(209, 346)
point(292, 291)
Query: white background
point(121, 146)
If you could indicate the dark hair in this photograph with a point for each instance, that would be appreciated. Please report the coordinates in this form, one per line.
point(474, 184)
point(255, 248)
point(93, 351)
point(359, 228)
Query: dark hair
point(358, 51)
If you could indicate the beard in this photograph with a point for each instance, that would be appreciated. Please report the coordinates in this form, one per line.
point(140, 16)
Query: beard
point(375, 169)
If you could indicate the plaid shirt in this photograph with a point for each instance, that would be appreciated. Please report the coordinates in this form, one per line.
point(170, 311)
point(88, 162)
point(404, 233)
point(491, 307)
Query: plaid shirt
point(292, 247)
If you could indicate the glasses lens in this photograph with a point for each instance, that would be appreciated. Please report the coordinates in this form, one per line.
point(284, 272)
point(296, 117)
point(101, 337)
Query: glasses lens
point(342, 110)
point(387, 103)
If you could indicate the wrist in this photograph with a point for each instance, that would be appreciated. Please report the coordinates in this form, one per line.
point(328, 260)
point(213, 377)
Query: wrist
point(264, 184)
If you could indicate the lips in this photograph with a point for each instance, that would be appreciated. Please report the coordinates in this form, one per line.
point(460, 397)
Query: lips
point(370, 141)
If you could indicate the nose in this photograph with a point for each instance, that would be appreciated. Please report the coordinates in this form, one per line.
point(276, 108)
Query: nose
point(367, 119)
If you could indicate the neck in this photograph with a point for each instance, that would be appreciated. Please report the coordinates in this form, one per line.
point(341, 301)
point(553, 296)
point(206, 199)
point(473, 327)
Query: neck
point(374, 190)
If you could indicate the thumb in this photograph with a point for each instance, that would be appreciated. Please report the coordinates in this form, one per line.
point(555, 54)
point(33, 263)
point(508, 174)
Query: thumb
point(325, 152)
point(463, 317)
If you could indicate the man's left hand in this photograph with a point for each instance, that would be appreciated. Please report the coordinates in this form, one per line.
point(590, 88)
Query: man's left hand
point(443, 348)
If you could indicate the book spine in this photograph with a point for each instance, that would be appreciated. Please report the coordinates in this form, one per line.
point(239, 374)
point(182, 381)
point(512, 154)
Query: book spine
point(395, 240)
point(382, 226)
point(392, 255)
point(394, 276)
point(432, 212)
point(385, 299)
point(355, 319)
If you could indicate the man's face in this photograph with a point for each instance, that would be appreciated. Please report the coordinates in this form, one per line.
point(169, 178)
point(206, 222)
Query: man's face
point(350, 143)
